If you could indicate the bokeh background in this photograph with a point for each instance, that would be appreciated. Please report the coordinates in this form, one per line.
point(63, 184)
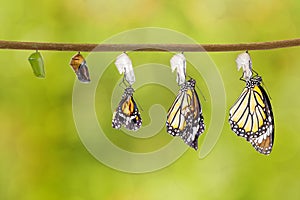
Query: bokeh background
point(41, 155)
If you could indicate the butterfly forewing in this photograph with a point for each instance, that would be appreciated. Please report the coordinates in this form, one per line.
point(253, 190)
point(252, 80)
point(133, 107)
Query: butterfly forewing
point(175, 118)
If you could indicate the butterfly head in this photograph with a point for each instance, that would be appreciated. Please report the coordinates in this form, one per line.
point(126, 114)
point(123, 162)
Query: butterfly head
point(190, 83)
point(128, 92)
point(256, 80)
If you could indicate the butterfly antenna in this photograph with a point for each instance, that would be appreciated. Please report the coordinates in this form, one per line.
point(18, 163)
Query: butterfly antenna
point(267, 90)
point(201, 93)
point(198, 89)
point(242, 78)
point(256, 74)
point(123, 83)
point(139, 105)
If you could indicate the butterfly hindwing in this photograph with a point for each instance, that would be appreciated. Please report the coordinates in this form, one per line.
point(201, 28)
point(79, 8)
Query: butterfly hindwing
point(185, 118)
point(127, 113)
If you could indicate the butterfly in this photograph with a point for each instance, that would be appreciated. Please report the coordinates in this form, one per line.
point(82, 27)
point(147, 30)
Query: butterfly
point(184, 118)
point(127, 112)
point(251, 116)
point(79, 66)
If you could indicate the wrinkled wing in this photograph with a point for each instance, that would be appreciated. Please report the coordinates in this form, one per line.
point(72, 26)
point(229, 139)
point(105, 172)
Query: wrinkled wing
point(185, 118)
point(175, 118)
point(127, 114)
point(194, 120)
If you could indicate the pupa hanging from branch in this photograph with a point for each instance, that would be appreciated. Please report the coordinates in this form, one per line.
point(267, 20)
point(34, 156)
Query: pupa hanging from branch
point(37, 64)
point(79, 66)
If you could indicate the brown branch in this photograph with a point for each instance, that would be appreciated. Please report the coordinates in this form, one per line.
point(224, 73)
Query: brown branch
point(149, 47)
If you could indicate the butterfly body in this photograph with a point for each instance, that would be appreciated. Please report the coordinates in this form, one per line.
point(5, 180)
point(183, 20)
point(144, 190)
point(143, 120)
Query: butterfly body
point(251, 116)
point(184, 118)
point(127, 113)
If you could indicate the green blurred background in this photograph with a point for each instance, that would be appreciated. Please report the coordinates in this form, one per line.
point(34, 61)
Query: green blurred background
point(41, 155)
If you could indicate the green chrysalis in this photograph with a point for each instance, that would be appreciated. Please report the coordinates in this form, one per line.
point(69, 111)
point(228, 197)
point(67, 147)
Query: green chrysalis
point(37, 64)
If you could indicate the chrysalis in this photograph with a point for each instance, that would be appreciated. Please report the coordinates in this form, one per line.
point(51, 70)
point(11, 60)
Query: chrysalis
point(244, 61)
point(178, 62)
point(79, 65)
point(124, 65)
point(37, 64)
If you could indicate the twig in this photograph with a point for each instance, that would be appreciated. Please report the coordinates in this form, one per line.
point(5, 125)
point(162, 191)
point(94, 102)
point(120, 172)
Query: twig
point(149, 47)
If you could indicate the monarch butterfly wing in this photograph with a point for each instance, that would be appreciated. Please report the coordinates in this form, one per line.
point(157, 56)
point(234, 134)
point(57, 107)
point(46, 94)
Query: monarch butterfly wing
point(264, 143)
point(127, 114)
point(194, 120)
point(248, 116)
point(238, 113)
point(263, 112)
point(199, 120)
point(175, 119)
point(119, 117)
point(134, 121)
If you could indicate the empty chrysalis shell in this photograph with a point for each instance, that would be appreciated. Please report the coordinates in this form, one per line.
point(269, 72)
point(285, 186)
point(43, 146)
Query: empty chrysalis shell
point(178, 62)
point(124, 65)
point(79, 65)
point(37, 64)
point(244, 61)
